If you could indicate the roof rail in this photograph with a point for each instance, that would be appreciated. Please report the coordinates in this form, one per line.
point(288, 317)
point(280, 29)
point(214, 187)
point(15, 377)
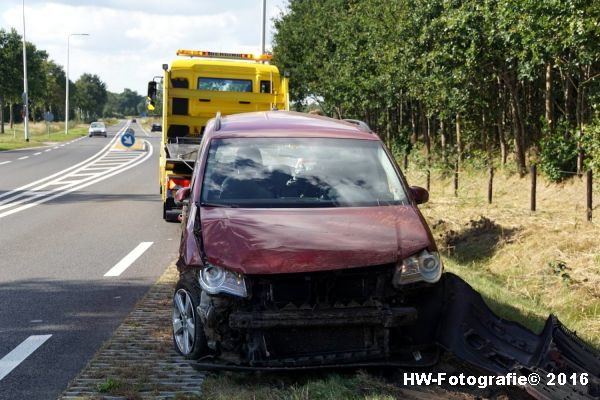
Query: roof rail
point(218, 121)
point(361, 125)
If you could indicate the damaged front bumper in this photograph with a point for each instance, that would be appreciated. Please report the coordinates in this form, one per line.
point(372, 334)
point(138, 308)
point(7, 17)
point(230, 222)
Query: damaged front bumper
point(451, 315)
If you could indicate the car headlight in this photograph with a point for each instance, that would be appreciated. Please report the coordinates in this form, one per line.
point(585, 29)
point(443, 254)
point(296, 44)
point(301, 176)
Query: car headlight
point(425, 266)
point(215, 280)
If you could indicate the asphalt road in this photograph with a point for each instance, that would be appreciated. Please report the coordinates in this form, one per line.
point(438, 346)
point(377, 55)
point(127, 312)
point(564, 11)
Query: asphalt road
point(69, 214)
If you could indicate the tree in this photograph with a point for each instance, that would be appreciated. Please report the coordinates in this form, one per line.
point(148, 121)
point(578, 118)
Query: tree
point(90, 96)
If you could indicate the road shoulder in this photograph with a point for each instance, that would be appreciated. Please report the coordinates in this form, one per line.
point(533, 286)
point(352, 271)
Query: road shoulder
point(139, 361)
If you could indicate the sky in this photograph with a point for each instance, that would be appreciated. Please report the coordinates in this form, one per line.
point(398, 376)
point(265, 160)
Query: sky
point(129, 40)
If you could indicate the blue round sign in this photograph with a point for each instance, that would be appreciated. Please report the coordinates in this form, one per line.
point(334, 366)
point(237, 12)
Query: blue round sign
point(128, 139)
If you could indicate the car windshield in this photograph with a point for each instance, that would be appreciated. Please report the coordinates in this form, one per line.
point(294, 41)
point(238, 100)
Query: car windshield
point(97, 125)
point(300, 172)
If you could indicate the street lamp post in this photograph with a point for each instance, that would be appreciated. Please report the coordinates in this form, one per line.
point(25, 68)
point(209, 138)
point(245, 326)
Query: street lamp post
point(67, 81)
point(25, 96)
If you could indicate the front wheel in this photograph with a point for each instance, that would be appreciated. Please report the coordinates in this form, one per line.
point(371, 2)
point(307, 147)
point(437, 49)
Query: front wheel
point(188, 331)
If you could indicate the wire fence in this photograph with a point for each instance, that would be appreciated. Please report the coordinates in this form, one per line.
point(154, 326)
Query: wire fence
point(464, 186)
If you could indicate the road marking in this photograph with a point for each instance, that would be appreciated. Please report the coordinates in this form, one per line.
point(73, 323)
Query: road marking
point(22, 158)
point(36, 321)
point(37, 154)
point(4, 162)
point(64, 171)
point(28, 196)
point(65, 191)
point(47, 150)
point(129, 259)
point(20, 353)
point(55, 147)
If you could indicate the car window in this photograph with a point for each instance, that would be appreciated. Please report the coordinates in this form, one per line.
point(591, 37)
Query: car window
point(300, 172)
point(225, 85)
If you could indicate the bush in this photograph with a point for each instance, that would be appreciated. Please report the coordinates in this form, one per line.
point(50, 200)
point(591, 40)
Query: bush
point(558, 156)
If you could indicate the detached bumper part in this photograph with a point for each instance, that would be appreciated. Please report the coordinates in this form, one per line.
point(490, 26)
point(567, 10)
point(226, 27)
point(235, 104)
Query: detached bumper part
point(471, 331)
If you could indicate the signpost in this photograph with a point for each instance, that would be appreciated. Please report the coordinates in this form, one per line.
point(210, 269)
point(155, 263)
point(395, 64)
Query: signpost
point(48, 117)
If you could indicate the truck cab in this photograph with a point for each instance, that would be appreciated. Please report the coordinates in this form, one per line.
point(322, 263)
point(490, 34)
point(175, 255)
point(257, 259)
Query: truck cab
point(194, 89)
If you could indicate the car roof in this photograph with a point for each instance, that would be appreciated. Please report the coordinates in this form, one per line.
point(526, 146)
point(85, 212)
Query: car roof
point(286, 124)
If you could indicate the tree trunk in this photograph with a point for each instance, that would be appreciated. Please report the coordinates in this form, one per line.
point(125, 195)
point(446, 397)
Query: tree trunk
point(568, 106)
point(1, 114)
point(10, 114)
point(413, 121)
point(548, 98)
point(501, 123)
point(443, 140)
point(517, 122)
point(579, 119)
point(459, 149)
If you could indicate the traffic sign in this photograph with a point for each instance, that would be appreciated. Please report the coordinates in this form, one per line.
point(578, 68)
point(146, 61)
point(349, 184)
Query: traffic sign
point(48, 116)
point(128, 139)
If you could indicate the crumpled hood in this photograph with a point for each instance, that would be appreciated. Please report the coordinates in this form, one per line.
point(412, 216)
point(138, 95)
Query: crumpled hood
point(274, 241)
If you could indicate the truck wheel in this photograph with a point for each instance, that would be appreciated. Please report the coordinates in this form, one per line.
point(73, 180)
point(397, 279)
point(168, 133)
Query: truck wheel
point(188, 331)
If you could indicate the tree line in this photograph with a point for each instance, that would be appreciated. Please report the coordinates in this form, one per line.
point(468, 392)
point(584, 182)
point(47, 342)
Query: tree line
point(89, 97)
point(495, 79)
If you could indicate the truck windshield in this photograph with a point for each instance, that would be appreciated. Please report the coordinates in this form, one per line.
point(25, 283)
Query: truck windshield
point(225, 85)
point(300, 172)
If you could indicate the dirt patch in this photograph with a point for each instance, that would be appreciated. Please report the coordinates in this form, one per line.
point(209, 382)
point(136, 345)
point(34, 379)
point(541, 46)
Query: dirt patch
point(475, 240)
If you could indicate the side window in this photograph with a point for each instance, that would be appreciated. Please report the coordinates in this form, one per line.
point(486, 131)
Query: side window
point(265, 86)
point(181, 83)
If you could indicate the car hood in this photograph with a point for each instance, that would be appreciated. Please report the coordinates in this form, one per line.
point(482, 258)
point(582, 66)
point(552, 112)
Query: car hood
point(273, 241)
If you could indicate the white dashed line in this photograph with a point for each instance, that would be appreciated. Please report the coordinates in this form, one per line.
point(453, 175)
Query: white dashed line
point(20, 353)
point(22, 158)
point(47, 150)
point(129, 259)
point(4, 162)
point(37, 154)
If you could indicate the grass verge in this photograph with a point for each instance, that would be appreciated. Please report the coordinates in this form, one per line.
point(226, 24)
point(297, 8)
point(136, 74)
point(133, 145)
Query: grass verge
point(38, 135)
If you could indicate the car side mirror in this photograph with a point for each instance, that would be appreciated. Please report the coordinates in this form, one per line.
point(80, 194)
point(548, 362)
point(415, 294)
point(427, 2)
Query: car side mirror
point(182, 194)
point(420, 194)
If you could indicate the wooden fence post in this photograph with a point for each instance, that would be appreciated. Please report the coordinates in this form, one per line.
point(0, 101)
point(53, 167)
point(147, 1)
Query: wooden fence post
point(490, 185)
point(456, 178)
point(533, 185)
point(589, 195)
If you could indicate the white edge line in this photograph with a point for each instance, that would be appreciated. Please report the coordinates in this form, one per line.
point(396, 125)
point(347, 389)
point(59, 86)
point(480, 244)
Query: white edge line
point(20, 353)
point(86, 184)
point(98, 154)
point(129, 259)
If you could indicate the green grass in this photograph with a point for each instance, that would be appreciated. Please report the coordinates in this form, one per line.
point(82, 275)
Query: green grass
point(38, 135)
point(315, 386)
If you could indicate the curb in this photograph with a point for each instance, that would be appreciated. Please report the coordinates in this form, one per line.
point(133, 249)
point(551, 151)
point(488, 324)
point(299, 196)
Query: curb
point(138, 361)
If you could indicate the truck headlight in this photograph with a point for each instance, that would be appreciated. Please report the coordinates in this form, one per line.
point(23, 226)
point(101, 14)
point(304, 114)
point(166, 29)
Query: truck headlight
point(425, 266)
point(215, 280)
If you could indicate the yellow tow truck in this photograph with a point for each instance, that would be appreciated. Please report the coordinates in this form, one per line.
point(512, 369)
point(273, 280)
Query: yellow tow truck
point(194, 90)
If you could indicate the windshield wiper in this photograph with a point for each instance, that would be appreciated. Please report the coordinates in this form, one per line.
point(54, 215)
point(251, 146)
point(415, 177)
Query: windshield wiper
point(208, 204)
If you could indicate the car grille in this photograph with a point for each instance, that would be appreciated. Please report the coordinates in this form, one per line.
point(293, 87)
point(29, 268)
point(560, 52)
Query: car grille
point(355, 286)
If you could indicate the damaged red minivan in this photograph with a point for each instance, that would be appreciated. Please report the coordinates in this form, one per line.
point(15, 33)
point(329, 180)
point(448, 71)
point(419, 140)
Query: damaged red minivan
point(302, 246)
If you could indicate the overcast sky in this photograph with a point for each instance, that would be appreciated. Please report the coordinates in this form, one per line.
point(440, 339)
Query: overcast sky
point(130, 39)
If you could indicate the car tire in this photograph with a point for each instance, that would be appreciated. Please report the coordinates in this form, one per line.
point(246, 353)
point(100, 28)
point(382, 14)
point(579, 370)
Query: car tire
point(188, 332)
